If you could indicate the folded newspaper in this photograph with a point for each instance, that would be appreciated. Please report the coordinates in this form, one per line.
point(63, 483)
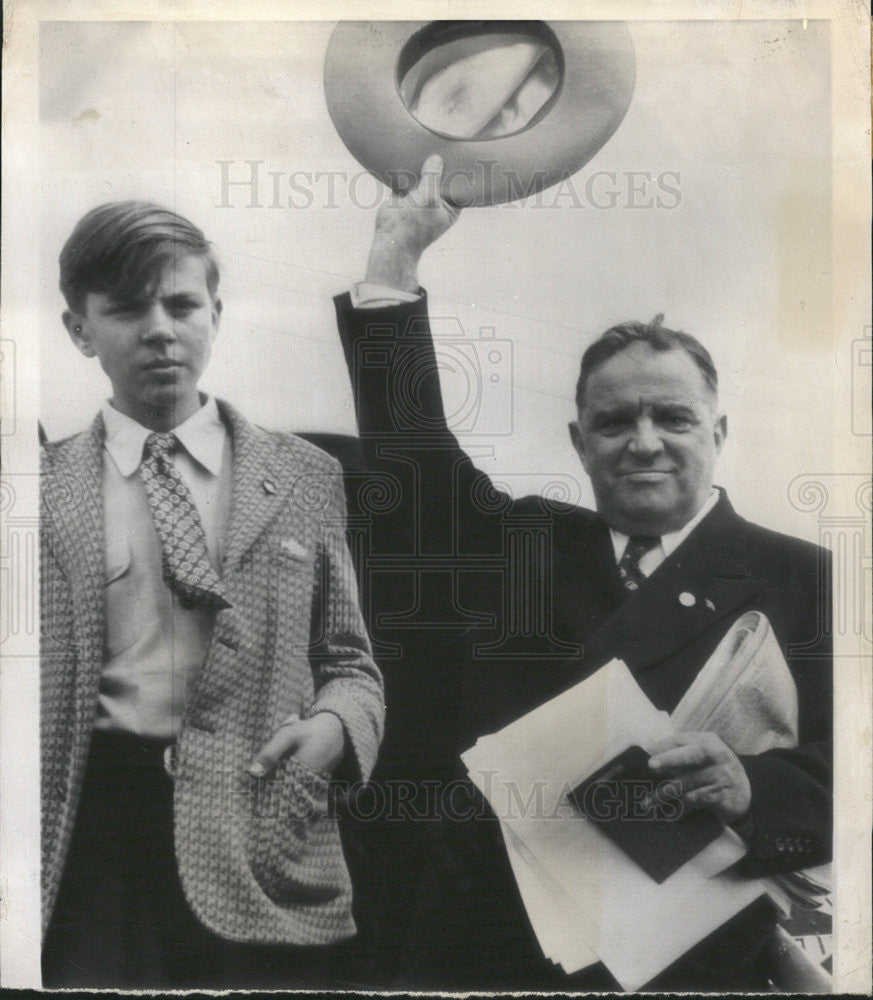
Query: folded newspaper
point(586, 899)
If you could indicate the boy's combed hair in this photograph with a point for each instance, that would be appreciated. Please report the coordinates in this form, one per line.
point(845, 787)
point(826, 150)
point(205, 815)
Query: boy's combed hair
point(655, 336)
point(121, 248)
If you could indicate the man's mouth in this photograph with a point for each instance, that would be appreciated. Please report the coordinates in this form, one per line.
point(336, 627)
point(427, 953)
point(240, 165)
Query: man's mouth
point(162, 364)
point(646, 475)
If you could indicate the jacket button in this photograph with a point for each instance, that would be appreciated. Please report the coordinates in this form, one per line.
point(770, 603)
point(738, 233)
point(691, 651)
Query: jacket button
point(687, 600)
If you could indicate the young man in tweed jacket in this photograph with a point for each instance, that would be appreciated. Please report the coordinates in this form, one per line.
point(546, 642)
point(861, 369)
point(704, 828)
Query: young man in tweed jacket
point(202, 678)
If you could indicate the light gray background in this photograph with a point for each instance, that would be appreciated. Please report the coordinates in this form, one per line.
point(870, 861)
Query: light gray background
point(736, 116)
point(740, 108)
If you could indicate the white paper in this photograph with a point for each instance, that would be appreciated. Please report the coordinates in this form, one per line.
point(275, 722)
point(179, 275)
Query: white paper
point(634, 925)
point(557, 921)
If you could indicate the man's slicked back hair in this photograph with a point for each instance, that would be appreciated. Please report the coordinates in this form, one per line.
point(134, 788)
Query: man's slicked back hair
point(655, 336)
point(121, 248)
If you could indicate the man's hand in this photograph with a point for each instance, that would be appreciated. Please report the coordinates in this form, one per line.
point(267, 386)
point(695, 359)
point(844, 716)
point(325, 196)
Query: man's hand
point(405, 226)
point(710, 773)
point(318, 742)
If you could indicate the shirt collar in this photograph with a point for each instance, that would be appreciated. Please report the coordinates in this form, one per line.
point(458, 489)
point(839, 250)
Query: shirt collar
point(202, 435)
point(672, 539)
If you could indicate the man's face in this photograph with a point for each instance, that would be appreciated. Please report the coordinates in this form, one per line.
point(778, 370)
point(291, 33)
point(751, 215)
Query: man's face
point(648, 436)
point(153, 349)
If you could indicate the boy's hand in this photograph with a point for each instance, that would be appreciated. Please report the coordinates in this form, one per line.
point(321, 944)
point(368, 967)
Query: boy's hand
point(318, 742)
point(405, 226)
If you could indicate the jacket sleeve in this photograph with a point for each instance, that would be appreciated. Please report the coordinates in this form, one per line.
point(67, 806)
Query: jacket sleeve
point(791, 815)
point(791, 818)
point(347, 680)
point(446, 502)
point(381, 345)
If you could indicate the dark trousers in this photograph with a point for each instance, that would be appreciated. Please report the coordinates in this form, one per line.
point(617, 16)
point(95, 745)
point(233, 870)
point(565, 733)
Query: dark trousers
point(121, 918)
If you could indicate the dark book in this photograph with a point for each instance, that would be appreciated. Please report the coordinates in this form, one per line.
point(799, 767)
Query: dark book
point(643, 814)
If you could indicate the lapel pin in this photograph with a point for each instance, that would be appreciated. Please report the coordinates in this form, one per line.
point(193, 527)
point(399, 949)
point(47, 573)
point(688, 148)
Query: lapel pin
point(269, 486)
point(687, 600)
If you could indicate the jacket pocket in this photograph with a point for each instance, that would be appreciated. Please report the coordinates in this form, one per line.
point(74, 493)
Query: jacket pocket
point(131, 614)
point(290, 552)
point(293, 843)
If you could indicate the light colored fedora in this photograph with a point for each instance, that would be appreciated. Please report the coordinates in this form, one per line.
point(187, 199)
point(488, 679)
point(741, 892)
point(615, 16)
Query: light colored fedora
point(511, 106)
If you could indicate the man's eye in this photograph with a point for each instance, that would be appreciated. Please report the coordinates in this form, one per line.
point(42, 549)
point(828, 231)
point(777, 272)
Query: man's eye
point(611, 425)
point(182, 308)
point(677, 421)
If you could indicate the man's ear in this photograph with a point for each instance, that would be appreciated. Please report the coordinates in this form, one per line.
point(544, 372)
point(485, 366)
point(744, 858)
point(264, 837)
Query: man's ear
point(720, 432)
point(217, 306)
point(578, 445)
point(77, 328)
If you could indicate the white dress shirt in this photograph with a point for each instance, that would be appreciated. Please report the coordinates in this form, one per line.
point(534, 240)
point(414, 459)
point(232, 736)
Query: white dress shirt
point(153, 646)
point(671, 541)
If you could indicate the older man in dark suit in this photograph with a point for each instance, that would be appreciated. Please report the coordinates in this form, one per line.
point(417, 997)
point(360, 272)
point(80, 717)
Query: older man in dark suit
point(655, 577)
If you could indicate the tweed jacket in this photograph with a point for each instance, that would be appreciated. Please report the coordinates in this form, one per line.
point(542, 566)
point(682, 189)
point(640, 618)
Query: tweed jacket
point(531, 589)
point(260, 861)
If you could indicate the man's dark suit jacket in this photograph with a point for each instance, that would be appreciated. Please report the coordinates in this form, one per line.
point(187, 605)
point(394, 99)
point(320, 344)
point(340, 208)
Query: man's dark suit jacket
point(498, 605)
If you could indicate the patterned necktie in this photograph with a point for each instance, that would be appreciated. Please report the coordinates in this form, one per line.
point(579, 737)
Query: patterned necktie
point(629, 564)
point(186, 565)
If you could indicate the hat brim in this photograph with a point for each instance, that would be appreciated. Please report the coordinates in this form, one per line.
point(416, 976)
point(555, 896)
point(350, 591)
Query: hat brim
point(363, 98)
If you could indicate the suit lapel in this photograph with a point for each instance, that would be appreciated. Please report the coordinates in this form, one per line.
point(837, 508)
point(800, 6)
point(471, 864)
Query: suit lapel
point(587, 588)
point(255, 497)
point(72, 499)
point(704, 581)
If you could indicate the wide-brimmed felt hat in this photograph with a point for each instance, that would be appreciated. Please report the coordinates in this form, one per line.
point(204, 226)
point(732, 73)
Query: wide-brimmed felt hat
point(512, 107)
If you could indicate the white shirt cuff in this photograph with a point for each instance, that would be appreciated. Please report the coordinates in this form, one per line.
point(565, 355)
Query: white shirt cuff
point(367, 295)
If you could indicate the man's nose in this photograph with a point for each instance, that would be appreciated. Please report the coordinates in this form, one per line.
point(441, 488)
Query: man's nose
point(645, 440)
point(158, 324)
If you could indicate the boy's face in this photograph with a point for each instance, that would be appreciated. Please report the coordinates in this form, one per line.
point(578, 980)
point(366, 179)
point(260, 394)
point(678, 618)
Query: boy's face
point(153, 349)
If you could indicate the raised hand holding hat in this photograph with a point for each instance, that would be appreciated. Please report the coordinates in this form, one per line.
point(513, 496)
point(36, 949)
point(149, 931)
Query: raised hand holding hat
point(406, 225)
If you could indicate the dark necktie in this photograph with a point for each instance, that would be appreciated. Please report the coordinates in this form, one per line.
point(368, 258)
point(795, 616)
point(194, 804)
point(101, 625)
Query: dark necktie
point(186, 566)
point(629, 564)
